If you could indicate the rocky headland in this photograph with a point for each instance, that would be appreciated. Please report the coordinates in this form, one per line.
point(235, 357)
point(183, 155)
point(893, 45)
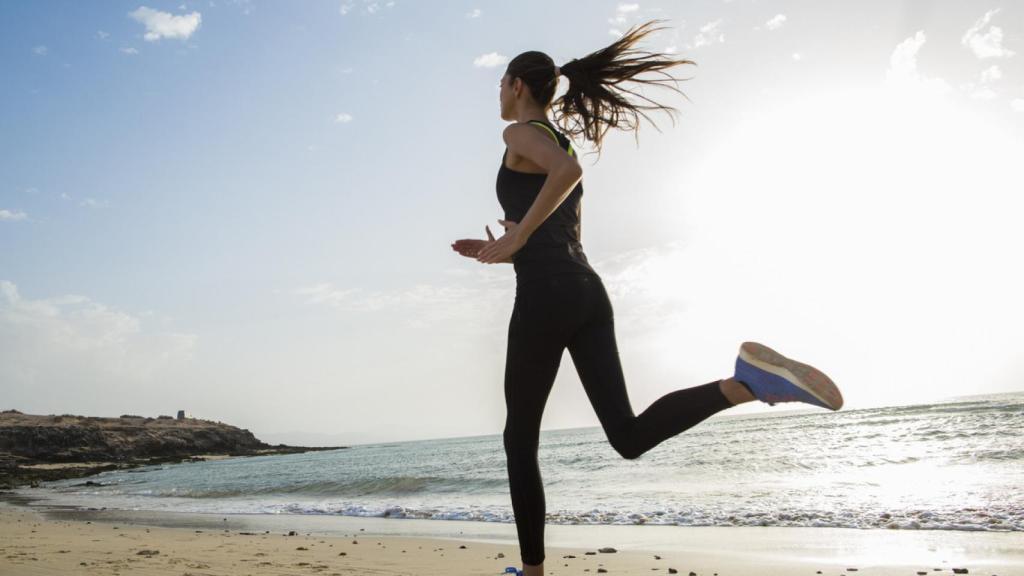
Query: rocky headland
point(36, 448)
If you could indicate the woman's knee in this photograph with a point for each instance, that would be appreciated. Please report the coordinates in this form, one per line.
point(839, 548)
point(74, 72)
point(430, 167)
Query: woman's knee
point(623, 440)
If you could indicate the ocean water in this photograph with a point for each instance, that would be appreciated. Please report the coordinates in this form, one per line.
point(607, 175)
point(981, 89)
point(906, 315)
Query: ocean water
point(953, 465)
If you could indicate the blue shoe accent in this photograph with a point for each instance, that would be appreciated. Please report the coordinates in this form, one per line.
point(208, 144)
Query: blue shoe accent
point(774, 378)
point(513, 570)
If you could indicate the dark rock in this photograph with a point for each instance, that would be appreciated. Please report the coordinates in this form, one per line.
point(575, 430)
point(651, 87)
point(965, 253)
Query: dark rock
point(601, 571)
point(590, 553)
point(607, 550)
point(673, 571)
point(27, 439)
point(656, 557)
point(462, 547)
point(147, 552)
point(959, 570)
point(292, 533)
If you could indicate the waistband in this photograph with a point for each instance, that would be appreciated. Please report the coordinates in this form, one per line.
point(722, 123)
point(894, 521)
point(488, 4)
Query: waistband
point(528, 251)
point(543, 260)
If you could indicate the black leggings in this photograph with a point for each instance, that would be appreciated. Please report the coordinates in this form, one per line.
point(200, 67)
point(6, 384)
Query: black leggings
point(573, 311)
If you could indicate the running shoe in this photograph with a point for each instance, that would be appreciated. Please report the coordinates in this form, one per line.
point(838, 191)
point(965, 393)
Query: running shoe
point(513, 570)
point(772, 377)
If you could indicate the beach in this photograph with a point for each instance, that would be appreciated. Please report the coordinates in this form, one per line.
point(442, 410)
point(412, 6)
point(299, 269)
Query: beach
point(55, 541)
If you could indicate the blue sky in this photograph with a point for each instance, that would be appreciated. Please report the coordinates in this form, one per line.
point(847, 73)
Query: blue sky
point(244, 209)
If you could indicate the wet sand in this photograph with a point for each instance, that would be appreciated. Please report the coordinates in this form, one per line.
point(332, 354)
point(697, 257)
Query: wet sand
point(37, 540)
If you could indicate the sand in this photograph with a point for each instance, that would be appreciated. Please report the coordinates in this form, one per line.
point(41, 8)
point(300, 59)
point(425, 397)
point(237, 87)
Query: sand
point(33, 542)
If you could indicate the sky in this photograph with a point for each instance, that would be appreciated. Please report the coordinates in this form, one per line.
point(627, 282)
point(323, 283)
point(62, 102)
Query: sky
point(244, 209)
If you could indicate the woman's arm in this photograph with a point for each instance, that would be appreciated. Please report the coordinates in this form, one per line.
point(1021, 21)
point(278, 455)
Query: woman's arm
point(563, 172)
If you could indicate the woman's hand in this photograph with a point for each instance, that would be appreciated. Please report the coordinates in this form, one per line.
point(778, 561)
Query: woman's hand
point(502, 249)
point(473, 248)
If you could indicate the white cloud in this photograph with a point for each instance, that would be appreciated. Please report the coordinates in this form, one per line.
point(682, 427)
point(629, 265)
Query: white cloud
point(422, 305)
point(92, 202)
point(12, 215)
point(903, 73)
point(1017, 104)
point(490, 60)
point(474, 14)
point(343, 118)
point(797, 56)
point(102, 35)
point(988, 44)
point(983, 93)
point(40, 50)
point(710, 33)
point(991, 73)
point(371, 7)
point(72, 343)
point(129, 50)
point(621, 13)
point(166, 25)
point(776, 22)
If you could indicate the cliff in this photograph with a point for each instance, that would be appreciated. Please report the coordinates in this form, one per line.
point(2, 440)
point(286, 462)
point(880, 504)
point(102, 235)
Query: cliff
point(35, 448)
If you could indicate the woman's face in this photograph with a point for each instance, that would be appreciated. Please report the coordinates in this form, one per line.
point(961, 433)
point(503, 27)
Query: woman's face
point(506, 97)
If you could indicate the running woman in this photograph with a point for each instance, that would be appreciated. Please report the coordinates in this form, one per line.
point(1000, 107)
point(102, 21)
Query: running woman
point(561, 301)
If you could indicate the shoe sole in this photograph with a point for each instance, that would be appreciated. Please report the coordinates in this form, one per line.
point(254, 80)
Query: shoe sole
point(806, 377)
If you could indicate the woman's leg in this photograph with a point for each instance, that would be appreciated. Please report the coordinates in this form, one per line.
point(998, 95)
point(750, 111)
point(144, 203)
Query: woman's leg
point(596, 356)
point(536, 340)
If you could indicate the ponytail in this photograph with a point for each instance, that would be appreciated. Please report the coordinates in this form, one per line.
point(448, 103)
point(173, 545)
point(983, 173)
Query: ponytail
point(594, 101)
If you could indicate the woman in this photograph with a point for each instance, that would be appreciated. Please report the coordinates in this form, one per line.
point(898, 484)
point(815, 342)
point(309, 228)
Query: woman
point(560, 300)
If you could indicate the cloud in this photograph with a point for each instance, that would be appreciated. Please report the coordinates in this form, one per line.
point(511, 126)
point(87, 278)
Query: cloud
point(371, 6)
point(50, 345)
point(989, 44)
point(11, 215)
point(130, 51)
point(1017, 104)
point(776, 22)
point(902, 72)
point(991, 73)
point(102, 35)
point(475, 13)
point(164, 24)
point(40, 50)
point(490, 60)
point(466, 304)
point(623, 13)
point(710, 33)
point(343, 118)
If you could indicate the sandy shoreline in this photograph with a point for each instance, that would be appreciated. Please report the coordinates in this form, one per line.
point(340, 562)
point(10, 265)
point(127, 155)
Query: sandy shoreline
point(34, 540)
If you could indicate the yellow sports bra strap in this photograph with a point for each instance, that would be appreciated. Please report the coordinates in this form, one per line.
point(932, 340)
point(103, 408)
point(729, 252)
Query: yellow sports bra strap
point(550, 131)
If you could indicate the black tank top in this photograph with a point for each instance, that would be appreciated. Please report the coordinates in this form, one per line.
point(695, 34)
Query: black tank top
point(555, 246)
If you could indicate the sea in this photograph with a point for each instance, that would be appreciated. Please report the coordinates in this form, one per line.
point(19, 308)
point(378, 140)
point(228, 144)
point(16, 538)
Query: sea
point(956, 464)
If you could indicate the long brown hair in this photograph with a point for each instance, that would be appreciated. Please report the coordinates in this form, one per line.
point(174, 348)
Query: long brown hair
point(595, 101)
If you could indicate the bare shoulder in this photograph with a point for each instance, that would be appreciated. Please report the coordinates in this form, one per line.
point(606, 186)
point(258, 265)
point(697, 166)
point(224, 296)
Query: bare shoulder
point(517, 132)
